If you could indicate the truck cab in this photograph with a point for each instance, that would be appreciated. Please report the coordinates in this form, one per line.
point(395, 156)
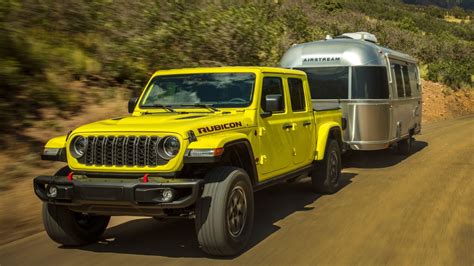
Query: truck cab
point(197, 144)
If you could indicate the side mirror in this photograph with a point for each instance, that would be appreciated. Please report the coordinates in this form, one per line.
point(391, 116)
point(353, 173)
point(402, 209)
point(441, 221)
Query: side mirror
point(273, 103)
point(131, 104)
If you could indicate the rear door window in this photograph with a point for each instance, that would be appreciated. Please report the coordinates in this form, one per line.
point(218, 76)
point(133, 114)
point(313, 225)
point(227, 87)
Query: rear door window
point(295, 86)
point(369, 82)
point(328, 82)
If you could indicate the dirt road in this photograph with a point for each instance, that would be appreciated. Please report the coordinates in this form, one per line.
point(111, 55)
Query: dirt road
point(391, 210)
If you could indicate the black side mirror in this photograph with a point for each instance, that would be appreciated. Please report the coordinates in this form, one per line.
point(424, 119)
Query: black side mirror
point(273, 103)
point(131, 104)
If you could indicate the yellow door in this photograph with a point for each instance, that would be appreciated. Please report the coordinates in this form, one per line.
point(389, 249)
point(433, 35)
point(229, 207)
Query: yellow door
point(273, 132)
point(302, 131)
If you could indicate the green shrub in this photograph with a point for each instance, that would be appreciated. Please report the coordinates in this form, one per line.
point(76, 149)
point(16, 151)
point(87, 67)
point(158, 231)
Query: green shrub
point(456, 74)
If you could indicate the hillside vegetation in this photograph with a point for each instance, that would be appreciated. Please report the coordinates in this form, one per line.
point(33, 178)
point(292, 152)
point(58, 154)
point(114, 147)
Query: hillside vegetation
point(47, 44)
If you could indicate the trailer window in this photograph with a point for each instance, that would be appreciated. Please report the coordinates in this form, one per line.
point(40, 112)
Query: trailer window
point(413, 75)
point(369, 82)
point(328, 82)
point(296, 94)
point(399, 80)
point(406, 80)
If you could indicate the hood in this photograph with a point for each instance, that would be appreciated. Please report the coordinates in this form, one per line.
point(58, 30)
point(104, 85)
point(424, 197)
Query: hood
point(201, 123)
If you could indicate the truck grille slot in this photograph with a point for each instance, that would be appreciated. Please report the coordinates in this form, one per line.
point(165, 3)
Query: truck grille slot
point(122, 151)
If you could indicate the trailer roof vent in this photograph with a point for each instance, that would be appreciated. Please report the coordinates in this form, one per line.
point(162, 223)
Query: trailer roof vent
point(365, 36)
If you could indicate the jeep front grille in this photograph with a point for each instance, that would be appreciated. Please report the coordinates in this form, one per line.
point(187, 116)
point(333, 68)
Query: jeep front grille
point(122, 151)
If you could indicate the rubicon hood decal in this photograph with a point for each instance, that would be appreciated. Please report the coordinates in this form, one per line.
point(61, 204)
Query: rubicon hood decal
point(213, 128)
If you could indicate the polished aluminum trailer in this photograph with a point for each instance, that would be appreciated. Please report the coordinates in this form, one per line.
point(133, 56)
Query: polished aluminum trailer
point(378, 89)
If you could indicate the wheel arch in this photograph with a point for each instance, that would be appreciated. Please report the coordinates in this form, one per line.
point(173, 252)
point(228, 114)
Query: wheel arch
point(238, 152)
point(326, 132)
point(246, 160)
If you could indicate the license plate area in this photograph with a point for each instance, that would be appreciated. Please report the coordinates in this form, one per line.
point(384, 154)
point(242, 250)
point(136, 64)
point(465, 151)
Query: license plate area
point(102, 193)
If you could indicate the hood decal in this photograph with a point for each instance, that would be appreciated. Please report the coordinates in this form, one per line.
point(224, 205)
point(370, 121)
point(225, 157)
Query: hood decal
point(213, 128)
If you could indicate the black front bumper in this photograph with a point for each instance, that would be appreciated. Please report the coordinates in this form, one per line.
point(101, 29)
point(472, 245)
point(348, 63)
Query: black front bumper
point(117, 198)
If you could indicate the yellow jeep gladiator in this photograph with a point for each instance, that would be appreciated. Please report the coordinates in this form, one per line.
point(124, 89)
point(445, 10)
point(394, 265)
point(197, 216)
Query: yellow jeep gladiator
point(197, 144)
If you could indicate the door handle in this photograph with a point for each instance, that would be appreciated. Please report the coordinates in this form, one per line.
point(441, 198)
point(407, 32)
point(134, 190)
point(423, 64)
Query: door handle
point(287, 126)
point(306, 123)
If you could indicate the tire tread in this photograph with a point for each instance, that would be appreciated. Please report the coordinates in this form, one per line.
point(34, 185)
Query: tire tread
point(319, 175)
point(209, 228)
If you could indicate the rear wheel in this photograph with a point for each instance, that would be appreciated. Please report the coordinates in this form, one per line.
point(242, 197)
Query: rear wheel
point(325, 177)
point(72, 228)
point(225, 212)
point(405, 145)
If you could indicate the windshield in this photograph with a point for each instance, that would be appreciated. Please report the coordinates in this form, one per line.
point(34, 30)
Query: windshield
point(216, 90)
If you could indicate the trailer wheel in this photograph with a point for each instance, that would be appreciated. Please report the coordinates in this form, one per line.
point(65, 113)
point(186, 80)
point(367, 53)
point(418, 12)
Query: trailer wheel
point(72, 228)
point(404, 146)
point(325, 177)
point(225, 212)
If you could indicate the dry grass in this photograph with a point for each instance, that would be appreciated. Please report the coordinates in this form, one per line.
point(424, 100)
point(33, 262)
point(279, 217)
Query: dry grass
point(453, 19)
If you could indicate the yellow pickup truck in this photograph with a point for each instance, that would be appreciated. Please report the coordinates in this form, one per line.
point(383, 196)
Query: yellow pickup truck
point(197, 144)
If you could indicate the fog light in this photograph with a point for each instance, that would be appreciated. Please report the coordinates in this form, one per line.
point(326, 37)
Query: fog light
point(52, 192)
point(167, 195)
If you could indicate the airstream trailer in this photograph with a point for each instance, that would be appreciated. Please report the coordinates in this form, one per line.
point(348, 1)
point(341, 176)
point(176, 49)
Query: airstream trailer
point(378, 89)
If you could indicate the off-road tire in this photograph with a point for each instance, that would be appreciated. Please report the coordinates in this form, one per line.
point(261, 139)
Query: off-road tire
point(404, 146)
point(325, 177)
point(218, 212)
point(70, 228)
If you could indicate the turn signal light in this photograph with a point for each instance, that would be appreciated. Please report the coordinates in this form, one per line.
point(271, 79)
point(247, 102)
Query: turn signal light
point(205, 152)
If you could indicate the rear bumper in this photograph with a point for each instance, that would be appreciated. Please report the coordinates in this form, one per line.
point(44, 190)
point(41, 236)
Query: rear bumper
point(116, 198)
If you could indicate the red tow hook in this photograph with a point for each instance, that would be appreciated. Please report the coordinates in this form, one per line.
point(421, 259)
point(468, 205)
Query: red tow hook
point(69, 176)
point(145, 178)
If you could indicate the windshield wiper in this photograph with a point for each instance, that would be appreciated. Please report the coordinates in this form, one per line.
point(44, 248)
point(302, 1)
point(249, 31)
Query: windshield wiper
point(167, 108)
point(202, 105)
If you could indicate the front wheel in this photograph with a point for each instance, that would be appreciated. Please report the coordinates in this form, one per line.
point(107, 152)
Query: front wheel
point(325, 177)
point(225, 212)
point(72, 228)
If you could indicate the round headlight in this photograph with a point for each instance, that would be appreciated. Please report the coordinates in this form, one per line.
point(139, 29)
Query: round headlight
point(168, 147)
point(78, 147)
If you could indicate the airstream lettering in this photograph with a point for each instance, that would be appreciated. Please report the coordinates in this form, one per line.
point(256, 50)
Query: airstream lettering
point(378, 89)
point(321, 59)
